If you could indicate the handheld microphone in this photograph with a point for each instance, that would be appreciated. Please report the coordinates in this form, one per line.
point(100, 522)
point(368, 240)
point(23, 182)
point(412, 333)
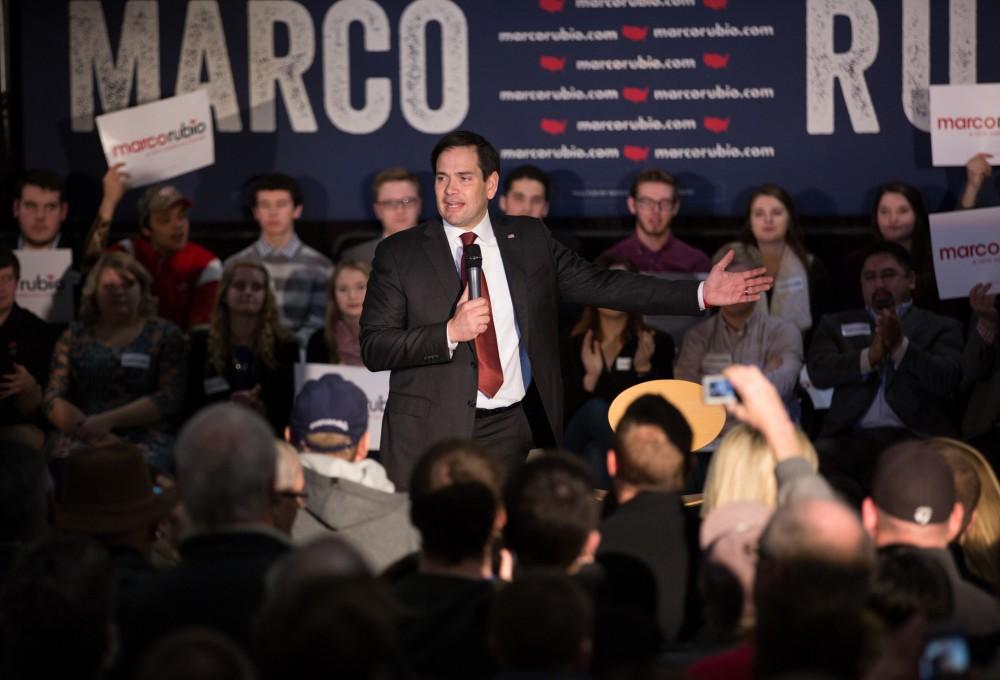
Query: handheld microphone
point(474, 270)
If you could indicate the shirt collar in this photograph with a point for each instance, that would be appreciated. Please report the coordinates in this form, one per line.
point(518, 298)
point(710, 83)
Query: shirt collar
point(52, 246)
point(290, 249)
point(483, 231)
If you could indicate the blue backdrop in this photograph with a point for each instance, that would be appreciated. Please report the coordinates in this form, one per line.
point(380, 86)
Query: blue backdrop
point(725, 93)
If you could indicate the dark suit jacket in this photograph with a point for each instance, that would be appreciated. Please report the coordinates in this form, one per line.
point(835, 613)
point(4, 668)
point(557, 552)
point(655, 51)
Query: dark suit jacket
point(922, 390)
point(981, 384)
point(412, 294)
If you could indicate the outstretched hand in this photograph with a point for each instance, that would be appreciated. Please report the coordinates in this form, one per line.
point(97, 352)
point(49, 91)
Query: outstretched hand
point(761, 408)
point(729, 288)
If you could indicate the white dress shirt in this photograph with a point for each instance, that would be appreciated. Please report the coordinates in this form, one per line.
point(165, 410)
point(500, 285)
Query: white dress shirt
point(502, 308)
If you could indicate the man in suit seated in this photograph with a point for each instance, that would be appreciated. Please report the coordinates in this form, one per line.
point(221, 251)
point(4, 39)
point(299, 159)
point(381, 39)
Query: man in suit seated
point(895, 370)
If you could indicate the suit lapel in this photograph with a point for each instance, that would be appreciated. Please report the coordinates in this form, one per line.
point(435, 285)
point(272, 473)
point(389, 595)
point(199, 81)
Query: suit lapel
point(513, 263)
point(440, 258)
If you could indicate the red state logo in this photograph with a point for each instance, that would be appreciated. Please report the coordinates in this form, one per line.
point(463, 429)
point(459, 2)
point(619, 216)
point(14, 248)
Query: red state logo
point(716, 4)
point(715, 60)
point(550, 126)
point(553, 64)
point(636, 153)
point(552, 6)
point(636, 95)
point(635, 33)
point(716, 125)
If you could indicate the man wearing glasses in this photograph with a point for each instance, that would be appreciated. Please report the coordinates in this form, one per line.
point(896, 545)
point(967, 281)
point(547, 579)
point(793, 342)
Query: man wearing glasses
point(396, 193)
point(654, 200)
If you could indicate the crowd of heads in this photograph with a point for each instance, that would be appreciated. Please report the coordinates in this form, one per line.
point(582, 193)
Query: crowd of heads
point(268, 541)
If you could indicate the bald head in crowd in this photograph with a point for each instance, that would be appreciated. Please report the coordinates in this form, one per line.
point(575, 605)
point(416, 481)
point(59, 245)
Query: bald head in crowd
point(226, 462)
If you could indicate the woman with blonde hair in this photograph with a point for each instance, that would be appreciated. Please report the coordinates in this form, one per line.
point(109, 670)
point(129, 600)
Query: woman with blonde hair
point(742, 469)
point(339, 341)
point(246, 356)
point(980, 535)
point(117, 373)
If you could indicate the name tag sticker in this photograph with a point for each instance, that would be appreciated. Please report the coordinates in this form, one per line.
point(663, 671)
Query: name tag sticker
point(792, 285)
point(855, 330)
point(135, 360)
point(216, 385)
point(623, 364)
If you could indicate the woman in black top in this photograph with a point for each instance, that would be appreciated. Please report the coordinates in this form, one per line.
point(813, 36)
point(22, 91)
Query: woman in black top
point(608, 351)
point(247, 355)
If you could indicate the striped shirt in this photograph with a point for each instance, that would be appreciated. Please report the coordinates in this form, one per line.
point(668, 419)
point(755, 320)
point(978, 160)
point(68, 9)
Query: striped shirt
point(299, 275)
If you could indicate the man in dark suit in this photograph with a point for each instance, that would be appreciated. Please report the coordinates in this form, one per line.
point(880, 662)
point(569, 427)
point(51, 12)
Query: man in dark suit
point(895, 369)
point(462, 367)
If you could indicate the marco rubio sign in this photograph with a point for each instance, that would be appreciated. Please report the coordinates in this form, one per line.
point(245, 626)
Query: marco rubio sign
point(47, 283)
point(966, 247)
point(965, 120)
point(161, 140)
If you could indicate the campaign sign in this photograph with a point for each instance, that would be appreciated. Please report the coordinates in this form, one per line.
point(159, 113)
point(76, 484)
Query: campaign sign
point(46, 284)
point(160, 140)
point(966, 249)
point(964, 121)
point(374, 385)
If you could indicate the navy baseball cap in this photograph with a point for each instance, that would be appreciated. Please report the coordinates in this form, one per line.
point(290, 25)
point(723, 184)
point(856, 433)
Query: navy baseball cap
point(329, 406)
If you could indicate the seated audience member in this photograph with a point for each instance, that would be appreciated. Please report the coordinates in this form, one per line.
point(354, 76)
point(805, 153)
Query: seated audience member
point(118, 373)
point(743, 334)
point(26, 503)
point(981, 376)
point(225, 474)
point(895, 369)
point(329, 557)
point(607, 352)
point(978, 491)
point(347, 493)
point(542, 626)
point(898, 216)
point(196, 654)
point(913, 502)
point(24, 366)
point(246, 356)
point(525, 192)
point(299, 273)
point(552, 515)
point(728, 538)
point(289, 486)
point(742, 469)
point(338, 342)
point(455, 505)
point(654, 199)
point(40, 208)
point(649, 463)
point(184, 275)
point(801, 290)
point(813, 569)
point(107, 495)
point(396, 203)
point(56, 617)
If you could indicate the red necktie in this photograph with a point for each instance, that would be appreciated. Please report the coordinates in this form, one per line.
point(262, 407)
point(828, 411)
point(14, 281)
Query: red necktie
point(487, 350)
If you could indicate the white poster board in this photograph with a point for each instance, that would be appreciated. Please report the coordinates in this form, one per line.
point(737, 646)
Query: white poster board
point(965, 120)
point(47, 283)
point(374, 385)
point(160, 140)
point(966, 250)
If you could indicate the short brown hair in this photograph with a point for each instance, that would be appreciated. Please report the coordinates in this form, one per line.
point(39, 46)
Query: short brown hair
point(653, 175)
point(394, 174)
